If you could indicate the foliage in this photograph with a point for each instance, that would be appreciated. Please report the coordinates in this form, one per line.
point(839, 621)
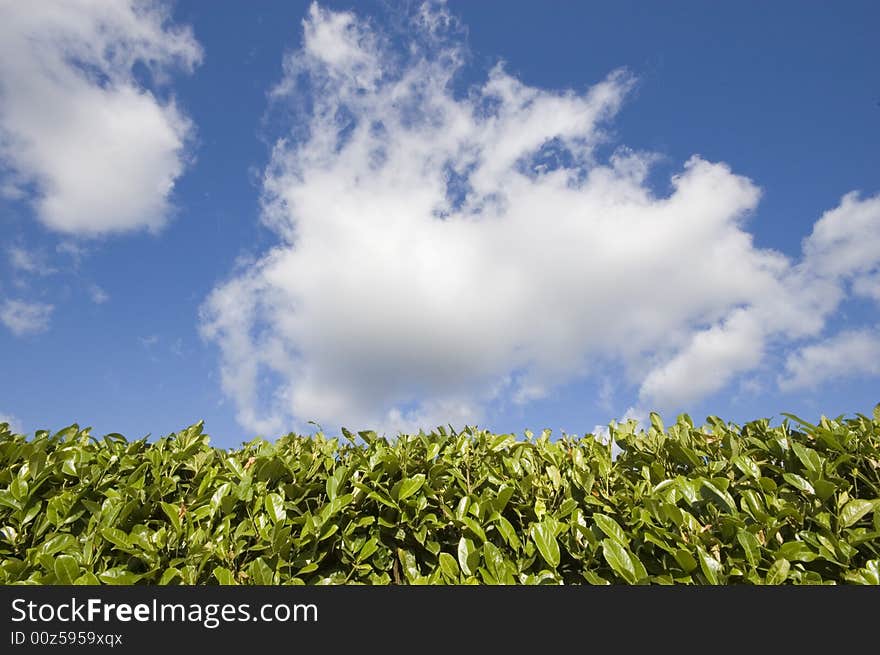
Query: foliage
point(716, 504)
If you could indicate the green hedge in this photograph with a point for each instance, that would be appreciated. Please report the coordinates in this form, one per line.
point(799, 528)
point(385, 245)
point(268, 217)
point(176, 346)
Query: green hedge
point(717, 504)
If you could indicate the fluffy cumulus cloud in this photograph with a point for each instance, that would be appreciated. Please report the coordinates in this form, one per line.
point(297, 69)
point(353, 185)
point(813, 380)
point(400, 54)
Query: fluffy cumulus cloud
point(440, 251)
point(92, 148)
point(23, 317)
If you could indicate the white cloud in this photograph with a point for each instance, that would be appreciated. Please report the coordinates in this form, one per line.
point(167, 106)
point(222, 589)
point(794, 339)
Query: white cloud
point(21, 260)
point(33, 262)
point(102, 152)
point(23, 317)
point(98, 295)
point(75, 250)
point(439, 252)
point(848, 354)
point(868, 286)
point(708, 362)
point(844, 246)
point(846, 240)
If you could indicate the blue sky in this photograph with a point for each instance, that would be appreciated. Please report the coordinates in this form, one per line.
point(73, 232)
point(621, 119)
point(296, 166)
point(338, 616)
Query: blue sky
point(394, 215)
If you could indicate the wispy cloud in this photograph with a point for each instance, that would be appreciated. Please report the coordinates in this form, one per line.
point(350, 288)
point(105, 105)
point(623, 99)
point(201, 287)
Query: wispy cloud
point(32, 262)
point(98, 295)
point(441, 251)
point(75, 250)
point(102, 151)
point(149, 340)
point(22, 317)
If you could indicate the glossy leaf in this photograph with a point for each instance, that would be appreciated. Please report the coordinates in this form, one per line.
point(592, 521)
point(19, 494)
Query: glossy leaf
point(544, 536)
point(778, 573)
point(449, 566)
point(710, 567)
point(66, 569)
point(750, 545)
point(855, 510)
point(618, 558)
point(274, 504)
point(611, 528)
point(411, 486)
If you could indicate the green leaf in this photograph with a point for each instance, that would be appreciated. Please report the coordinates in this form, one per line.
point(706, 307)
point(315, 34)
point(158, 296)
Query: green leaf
point(169, 575)
point(611, 528)
point(799, 483)
point(871, 572)
point(7, 500)
point(544, 536)
point(824, 488)
point(370, 546)
point(328, 531)
point(725, 498)
point(751, 546)
point(19, 488)
point(496, 563)
point(218, 496)
point(119, 575)
point(710, 566)
point(9, 533)
point(853, 511)
point(274, 504)
point(87, 578)
point(796, 551)
point(474, 527)
point(449, 566)
point(69, 467)
point(173, 514)
point(66, 569)
point(332, 486)
point(811, 460)
point(261, 573)
point(778, 573)
point(685, 560)
point(57, 544)
point(503, 497)
point(34, 509)
point(812, 428)
point(594, 579)
point(235, 466)
point(468, 556)
point(411, 486)
point(116, 537)
point(433, 451)
point(657, 422)
point(748, 466)
point(618, 558)
point(224, 576)
point(506, 529)
point(410, 566)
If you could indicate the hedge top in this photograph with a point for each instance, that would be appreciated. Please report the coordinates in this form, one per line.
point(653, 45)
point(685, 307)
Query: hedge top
point(715, 504)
